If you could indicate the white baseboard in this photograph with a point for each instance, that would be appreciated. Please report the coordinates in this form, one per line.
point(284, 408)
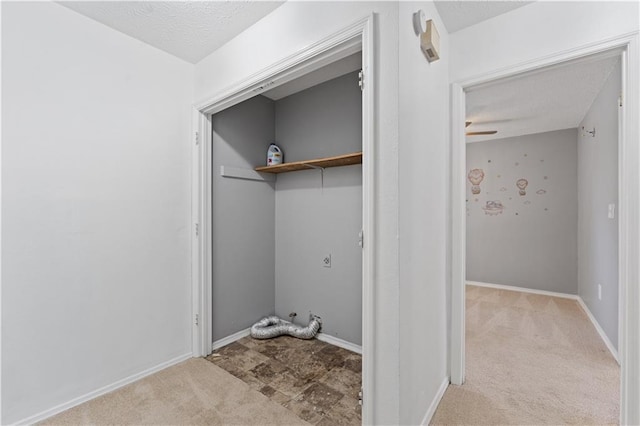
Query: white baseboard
point(435, 402)
point(217, 344)
point(320, 336)
point(332, 340)
point(599, 329)
point(575, 297)
point(103, 390)
point(523, 290)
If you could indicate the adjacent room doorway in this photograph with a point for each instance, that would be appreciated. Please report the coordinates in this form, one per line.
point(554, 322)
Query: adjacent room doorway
point(629, 189)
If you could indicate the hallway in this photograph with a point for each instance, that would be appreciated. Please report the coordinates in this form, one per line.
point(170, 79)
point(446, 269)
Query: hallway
point(531, 359)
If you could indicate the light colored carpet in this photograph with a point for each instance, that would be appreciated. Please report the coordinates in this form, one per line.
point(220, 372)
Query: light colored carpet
point(194, 392)
point(531, 360)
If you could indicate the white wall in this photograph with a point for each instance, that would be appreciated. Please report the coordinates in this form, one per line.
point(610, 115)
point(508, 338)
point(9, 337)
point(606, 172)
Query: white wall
point(537, 30)
point(243, 218)
point(284, 32)
point(533, 241)
point(598, 187)
point(95, 208)
point(423, 197)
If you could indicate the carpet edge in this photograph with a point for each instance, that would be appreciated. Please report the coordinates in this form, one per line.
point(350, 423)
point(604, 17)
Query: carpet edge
point(50, 412)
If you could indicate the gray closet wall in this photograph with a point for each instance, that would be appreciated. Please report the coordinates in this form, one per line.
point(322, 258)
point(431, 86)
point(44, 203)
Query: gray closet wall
point(269, 239)
point(312, 219)
point(243, 219)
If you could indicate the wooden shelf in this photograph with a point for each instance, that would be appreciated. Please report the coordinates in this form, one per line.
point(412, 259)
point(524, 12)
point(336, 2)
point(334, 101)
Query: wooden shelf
point(340, 160)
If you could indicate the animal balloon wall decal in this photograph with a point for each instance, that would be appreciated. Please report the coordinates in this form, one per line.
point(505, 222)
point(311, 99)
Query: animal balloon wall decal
point(522, 185)
point(475, 176)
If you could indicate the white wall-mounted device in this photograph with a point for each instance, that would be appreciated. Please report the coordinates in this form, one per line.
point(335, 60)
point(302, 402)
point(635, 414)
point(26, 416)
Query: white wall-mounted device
point(420, 22)
point(430, 42)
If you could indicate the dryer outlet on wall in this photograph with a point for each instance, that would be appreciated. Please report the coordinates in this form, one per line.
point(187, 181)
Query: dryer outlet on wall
point(326, 260)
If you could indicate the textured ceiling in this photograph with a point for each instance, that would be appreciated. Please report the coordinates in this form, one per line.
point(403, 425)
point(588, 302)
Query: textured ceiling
point(189, 30)
point(192, 30)
point(459, 14)
point(551, 99)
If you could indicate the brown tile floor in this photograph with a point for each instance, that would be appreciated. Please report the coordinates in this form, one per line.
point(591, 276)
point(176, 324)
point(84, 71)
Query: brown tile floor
point(319, 382)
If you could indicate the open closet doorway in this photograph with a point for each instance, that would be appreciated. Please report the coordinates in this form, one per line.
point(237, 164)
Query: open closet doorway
point(293, 240)
point(582, 247)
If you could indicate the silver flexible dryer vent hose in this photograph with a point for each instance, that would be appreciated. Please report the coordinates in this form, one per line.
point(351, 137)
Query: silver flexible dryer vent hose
point(273, 326)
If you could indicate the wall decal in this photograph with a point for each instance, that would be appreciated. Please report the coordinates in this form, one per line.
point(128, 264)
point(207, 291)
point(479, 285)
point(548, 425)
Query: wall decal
point(526, 203)
point(475, 176)
point(493, 208)
point(503, 189)
point(541, 192)
point(522, 185)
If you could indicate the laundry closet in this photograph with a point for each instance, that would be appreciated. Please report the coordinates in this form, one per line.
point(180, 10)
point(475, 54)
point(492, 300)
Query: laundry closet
point(288, 242)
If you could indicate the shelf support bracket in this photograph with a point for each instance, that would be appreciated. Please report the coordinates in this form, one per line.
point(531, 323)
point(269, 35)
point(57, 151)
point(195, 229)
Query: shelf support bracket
point(311, 166)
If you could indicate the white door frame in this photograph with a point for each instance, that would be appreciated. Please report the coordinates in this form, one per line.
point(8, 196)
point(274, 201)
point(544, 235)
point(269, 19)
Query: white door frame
point(629, 208)
point(353, 38)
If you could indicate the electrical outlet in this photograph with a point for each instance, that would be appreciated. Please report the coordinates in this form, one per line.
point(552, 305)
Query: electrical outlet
point(326, 260)
point(599, 291)
point(612, 211)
